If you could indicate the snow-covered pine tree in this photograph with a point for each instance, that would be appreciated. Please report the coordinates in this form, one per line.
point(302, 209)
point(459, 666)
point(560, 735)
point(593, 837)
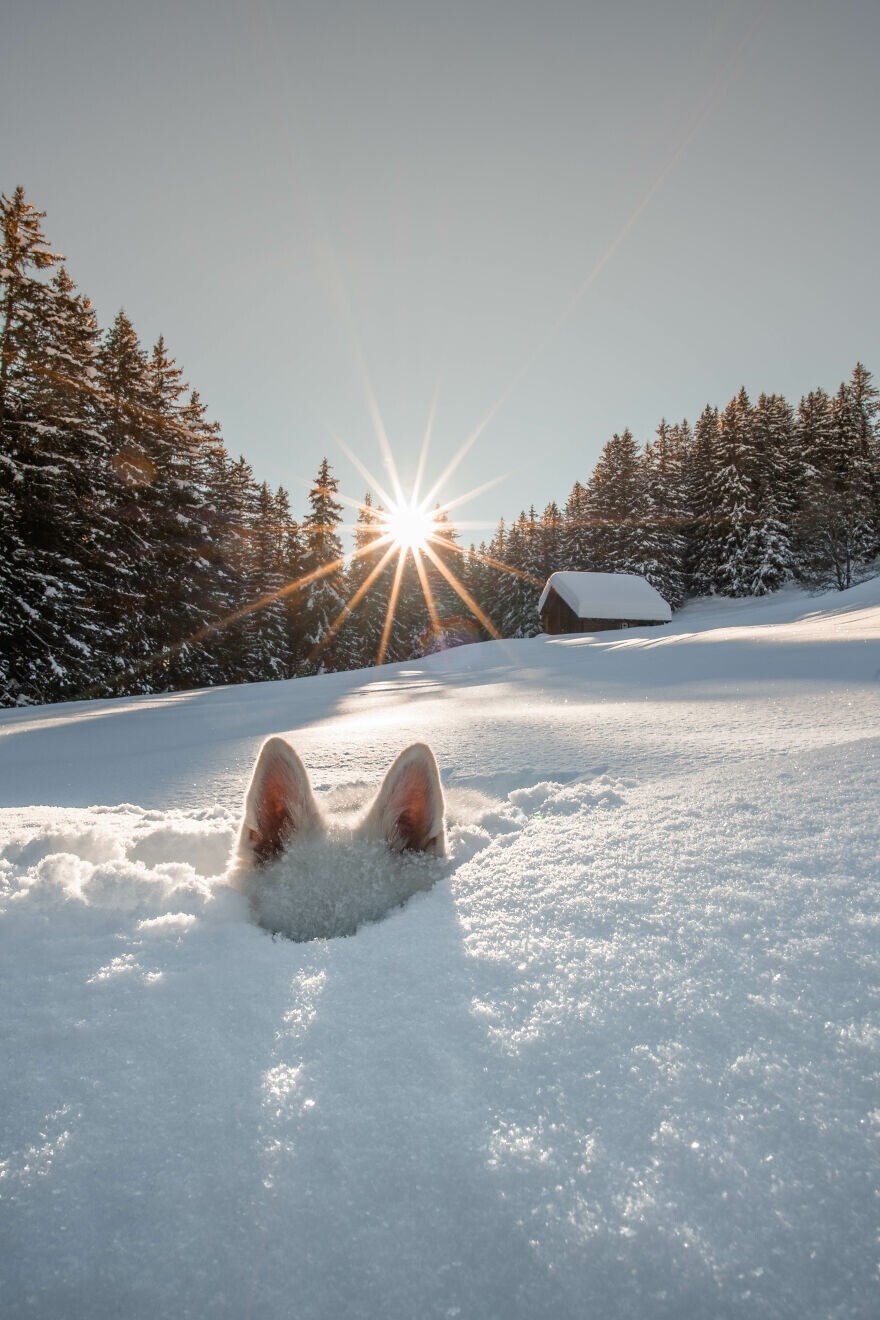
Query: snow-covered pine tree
point(324, 592)
point(519, 591)
point(664, 461)
point(292, 566)
point(179, 602)
point(725, 560)
point(774, 483)
point(24, 301)
point(485, 578)
point(863, 409)
point(233, 498)
point(449, 607)
point(360, 635)
point(701, 553)
point(125, 399)
point(266, 621)
point(836, 530)
point(549, 542)
point(70, 561)
point(621, 537)
point(575, 530)
point(49, 450)
point(480, 578)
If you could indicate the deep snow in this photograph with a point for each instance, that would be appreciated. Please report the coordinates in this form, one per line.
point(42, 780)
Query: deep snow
point(621, 1060)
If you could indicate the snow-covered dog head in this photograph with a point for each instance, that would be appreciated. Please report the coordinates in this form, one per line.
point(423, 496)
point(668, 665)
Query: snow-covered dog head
point(309, 878)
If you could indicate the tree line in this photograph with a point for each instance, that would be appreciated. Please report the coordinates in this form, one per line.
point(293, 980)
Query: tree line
point(750, 497)
point(137, 555)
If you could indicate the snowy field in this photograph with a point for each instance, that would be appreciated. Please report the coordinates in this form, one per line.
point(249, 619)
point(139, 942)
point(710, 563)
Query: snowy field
point(620, 1061)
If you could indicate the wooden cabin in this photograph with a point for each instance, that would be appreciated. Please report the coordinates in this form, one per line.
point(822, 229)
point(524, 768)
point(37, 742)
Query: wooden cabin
point(599, 602)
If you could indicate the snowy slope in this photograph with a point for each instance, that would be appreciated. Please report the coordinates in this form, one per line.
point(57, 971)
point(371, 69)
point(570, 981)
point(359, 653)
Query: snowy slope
point(621, 1061)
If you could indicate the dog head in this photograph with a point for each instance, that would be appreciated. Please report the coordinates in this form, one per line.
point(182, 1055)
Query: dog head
point(306, 876)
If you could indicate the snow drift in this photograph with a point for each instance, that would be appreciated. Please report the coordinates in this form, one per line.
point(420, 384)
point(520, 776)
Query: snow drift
point(620, 1060)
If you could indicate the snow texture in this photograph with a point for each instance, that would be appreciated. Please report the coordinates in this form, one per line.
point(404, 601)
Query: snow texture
point(608, 596)
point(621, 1059)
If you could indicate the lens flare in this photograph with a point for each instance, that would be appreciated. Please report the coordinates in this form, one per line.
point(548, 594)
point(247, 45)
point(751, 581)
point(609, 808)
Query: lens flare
point(410, 526)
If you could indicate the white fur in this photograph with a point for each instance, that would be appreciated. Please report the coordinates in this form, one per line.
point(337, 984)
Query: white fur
point(310, 880)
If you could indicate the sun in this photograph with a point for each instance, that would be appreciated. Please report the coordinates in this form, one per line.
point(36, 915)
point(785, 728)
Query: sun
point(410, 526)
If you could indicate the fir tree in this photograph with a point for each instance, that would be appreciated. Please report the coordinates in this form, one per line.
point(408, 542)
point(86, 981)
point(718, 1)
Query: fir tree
point(324, 594)
point(576, 530)
point(667, 514)
point(837, 527)
point(774, 482)
point(360, 636)
point(266, 629)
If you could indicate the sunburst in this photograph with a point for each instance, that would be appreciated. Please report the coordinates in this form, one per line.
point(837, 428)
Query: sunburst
point(411, 526)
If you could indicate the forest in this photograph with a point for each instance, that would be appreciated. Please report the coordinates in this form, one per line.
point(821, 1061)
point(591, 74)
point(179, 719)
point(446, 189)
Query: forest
point(138, 555)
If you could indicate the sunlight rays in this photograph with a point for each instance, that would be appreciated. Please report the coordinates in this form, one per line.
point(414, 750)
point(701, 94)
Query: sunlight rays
point(463, 594)
point(392, 606)
point(409, 525)
point(351, 605)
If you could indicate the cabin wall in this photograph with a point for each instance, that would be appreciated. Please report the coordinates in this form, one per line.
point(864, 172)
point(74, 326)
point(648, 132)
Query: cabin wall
point(558, 617)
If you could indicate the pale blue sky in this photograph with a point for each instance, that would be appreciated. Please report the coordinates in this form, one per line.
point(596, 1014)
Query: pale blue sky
point(282, 188)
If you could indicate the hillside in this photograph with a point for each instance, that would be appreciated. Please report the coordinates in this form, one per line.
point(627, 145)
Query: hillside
point(620, 1061)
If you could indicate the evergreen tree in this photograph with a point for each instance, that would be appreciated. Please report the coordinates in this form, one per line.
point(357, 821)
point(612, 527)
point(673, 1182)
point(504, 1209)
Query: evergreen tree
point(621, 535)
point(667, 515)
point(437, 633)
point(48, 452)
point(361, 633)
point(775, 485)
point(516, 612)
point(233, 499)
point(266, 628)
point(25, 301)
point(837, 527)
point(576, 529)
point(125, 417)
point(292, 566)
point(176, 589)
point(324, 593)
point(702, 553)
point(549, 556)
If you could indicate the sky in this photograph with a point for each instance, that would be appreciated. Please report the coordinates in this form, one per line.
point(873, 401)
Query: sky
point(536, 223)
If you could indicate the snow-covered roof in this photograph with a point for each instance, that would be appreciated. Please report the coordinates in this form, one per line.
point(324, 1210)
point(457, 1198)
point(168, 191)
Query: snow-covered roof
point(608, 596)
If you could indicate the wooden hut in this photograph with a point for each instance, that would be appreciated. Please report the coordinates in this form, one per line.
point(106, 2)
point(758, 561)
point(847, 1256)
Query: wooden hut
point(597, 602)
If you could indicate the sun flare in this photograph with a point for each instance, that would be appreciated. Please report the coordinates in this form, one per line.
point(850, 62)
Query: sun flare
point(410, 526)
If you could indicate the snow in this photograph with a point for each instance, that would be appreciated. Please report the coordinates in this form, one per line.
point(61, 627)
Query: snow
point(620, 1060)
point(607, 596)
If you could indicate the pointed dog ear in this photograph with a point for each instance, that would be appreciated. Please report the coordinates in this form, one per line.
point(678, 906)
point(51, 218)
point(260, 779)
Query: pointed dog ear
point(279, 804)
point(408, 810)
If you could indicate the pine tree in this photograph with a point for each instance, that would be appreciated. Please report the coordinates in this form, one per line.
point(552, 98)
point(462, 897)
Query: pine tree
point(179, 599)
point(48, 453)
point(618, 493)
point(24, 302)
point(724, 560)
point(233, 501)
point(266, 628)
point(324, 594)
point(775, 484)
point(125, 423)
point(449, 608)
point(360, 636)
point(519, 589)
point(549, 540)
point(576, 529)
point(291, 560)
point(837, 527)
point(667, 514)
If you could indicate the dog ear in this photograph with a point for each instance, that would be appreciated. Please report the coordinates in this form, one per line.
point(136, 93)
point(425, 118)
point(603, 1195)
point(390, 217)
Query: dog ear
point(279, 804)
point(408, 810)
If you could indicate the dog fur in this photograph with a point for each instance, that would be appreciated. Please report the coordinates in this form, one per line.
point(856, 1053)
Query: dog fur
point(308, 877)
